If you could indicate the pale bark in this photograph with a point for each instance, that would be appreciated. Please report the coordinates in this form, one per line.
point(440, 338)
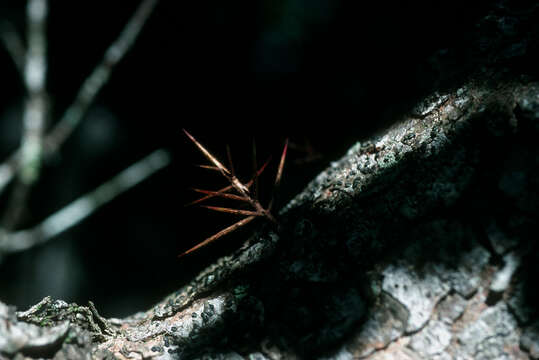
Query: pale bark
point(417, 244)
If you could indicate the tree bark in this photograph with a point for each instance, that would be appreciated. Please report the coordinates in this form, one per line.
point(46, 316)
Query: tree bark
point(421, 242)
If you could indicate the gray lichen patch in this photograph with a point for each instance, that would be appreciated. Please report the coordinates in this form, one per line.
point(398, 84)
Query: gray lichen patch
point(20, 337)
point(419, 294)
point(183, 324)
point(465, 278)
point(450, 249)
point(85, 319)
point(433, 340)
point(450, 308)
point(174, 334)
point(491, 336)
point(396, 351)
point(259, 247)
point(385, 323)
point(429, 104)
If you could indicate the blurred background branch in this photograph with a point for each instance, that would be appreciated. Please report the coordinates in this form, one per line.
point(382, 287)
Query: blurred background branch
point(99, 77)
point(89, 89)
point(37, 145)
point(84, 206)
point(35, 110)
point(13, 44)
point(35, 75)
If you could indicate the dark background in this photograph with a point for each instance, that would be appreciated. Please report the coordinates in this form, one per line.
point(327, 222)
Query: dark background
point(323, 72)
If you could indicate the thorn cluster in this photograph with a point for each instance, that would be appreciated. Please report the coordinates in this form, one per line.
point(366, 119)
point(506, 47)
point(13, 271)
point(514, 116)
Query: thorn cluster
point(238, 191)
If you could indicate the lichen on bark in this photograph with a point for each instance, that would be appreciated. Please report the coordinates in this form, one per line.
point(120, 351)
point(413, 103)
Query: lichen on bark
point(420, 242)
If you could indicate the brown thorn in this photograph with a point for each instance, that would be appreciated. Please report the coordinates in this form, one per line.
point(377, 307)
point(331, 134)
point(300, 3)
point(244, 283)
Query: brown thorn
point(255, 166)
point(220, 191)
point(281, 164)
point(220, 194)
point(221, 233)
point(208, 155)
point(229, 187)
point(208, 167)
point(279, 174)
point(230, 163)
point(258, 173)
point(232, 211)
point(242, 189)
point(238, 185)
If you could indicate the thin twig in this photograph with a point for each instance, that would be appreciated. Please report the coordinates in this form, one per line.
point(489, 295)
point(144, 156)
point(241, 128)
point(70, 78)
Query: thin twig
point(84, 206)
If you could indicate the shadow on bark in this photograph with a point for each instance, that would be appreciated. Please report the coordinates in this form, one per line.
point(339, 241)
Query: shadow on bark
point(437, 218)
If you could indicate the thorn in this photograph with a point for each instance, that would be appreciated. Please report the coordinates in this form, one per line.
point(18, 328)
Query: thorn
point(243, 190)
point(281, 164)
point(221, 233)
point(230, 163)
point(279, 175)
point(208, 155)
point(208, 167)
point(229, 187)
point(220, 191)
point(232, 211)
point(255, 166)
point(220, 194)
point(258, 173)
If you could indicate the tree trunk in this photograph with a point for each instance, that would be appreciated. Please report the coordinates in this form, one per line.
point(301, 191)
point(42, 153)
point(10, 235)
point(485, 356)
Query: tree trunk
point(421, 242)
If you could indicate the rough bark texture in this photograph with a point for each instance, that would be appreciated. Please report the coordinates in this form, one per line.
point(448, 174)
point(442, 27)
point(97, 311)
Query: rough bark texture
point(420, 243)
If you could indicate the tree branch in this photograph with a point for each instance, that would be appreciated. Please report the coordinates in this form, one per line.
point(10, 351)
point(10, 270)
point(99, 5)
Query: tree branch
point(13, 44)
point(99, 77)
point(54, 139)
point(35, 145)
point(84, 206)
point(35, 74)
